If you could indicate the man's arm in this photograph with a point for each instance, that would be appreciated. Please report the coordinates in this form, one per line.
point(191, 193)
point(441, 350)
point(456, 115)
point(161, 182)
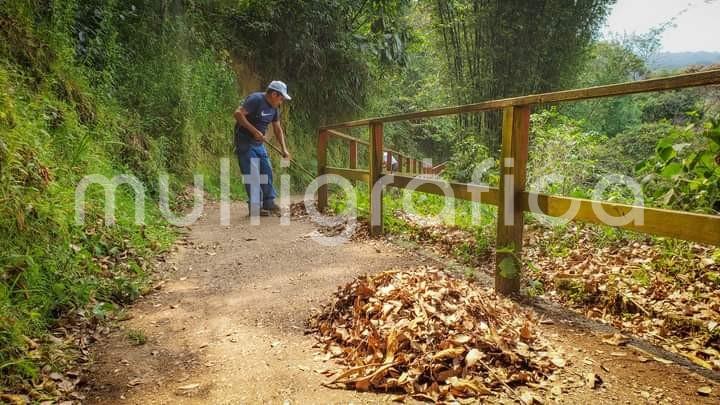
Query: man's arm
point(277, 129)
point(241, 117)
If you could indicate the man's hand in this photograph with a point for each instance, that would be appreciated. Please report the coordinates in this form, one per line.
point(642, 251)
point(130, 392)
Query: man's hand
point(258, 136)
point(286, 155)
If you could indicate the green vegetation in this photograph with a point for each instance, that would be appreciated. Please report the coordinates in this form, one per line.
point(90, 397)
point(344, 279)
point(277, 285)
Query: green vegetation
point(137, 337)
point(502, 49)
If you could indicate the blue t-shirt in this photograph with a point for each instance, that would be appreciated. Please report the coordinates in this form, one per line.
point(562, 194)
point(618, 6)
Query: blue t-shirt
point(259, 113)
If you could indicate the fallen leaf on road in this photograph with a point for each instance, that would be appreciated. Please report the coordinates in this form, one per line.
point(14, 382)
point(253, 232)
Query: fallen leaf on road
point(704, 391)
point(616, 340)
point(558, 361)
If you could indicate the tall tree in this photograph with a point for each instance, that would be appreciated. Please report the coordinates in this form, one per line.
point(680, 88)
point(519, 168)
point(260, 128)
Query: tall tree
point(504, 48)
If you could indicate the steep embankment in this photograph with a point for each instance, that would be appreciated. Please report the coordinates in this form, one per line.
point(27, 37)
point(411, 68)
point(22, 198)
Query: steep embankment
point(89, 89)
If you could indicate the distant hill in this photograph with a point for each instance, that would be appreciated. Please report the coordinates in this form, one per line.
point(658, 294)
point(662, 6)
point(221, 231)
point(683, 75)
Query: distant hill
point(674, 60)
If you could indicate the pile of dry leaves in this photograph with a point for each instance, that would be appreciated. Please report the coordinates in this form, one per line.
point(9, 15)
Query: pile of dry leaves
point(335, 225)
point(423, 333)
point(298, 209)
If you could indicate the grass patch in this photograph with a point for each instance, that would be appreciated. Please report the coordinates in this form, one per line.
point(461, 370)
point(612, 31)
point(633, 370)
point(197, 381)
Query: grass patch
point(136, 337)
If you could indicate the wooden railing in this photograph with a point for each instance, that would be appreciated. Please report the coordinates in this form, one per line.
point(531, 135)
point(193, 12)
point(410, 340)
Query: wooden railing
point(405, 163)
point(511, 198)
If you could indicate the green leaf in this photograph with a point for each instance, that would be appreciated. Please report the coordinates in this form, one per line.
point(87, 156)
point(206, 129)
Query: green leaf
point(665, 143)
point(666, 153)
point(714, 136)
point(508, 268)
point(640, 166)
point(708, 159)
point(672, 170)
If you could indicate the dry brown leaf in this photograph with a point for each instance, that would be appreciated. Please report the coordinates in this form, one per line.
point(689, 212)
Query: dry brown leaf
point(705, 390)
point(558, 361)
point(616, 340)
point(448, 353)
point(461, 339)
point(473, 356)
point(526, 332)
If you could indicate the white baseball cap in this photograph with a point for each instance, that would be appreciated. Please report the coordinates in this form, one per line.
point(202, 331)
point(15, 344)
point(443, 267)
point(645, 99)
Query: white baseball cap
point(280, 87)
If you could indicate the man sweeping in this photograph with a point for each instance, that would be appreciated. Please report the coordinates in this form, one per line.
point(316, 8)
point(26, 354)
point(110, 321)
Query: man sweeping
point(252, 119)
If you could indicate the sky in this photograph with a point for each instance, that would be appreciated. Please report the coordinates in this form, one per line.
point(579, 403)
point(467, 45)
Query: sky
point(697, 22)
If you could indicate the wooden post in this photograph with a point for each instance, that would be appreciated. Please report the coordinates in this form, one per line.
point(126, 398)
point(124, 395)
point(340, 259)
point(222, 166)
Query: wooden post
point(352, 150)
point(388, 162)
point(407, 164)
point(400, 163)
point(415, 166)
point(376, 164)
point(322, 197)
point(513, 161)
point(353, 154)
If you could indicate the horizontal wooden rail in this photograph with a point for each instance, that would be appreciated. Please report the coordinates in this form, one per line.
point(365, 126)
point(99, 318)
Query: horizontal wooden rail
point(695, 227)
point(463, 191)
point(656, 221)
point(338, 134)
point(350, 174)
point(643, 86)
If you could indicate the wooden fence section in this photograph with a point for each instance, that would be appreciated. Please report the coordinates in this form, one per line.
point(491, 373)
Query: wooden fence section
point(511, 198)
point(406, 164)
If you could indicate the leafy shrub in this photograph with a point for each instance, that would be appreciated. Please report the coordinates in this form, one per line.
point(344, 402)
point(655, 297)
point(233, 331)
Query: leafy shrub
point(676, 106)
point(471, 159)
point(563, 156)
point(684, 173)
point(622, 153)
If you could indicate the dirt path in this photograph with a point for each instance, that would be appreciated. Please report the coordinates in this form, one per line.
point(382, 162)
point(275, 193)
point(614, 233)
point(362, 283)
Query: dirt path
point(226, 327)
